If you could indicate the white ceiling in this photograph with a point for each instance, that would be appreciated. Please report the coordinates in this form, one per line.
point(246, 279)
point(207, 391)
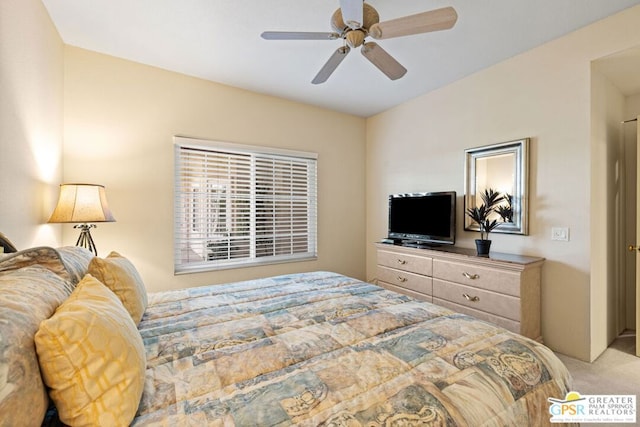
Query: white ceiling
point(219, 40)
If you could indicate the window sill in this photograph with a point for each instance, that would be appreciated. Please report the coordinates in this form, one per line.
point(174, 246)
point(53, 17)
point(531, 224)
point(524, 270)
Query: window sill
point(213, 266)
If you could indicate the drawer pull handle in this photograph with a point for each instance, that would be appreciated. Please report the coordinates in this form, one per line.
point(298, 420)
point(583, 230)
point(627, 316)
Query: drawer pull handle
point(471, 276)
point(402, 262)
point(470, 298)
point(402, 279)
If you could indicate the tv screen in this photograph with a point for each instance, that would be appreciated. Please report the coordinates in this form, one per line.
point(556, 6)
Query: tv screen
point(423, 218)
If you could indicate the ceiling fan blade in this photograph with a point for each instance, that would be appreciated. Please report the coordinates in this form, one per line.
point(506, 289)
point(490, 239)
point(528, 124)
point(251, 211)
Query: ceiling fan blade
point(381, 59)
point(434, 20)
point(298, 35)
point(352, 13)
point(331, 65)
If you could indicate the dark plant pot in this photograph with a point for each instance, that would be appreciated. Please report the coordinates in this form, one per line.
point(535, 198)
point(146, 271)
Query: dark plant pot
point(483, 247)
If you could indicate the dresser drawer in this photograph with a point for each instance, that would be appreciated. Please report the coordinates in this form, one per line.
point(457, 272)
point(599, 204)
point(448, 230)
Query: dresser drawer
point(404, 279)
point(412, 263)
point(501, 281)
point(508, 324)
point(417, 295)
point(478, 299)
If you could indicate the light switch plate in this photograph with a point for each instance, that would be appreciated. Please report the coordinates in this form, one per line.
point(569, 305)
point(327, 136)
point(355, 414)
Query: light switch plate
point(560, 233)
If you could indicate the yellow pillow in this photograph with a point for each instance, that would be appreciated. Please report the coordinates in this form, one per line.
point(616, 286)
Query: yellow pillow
point(119, 275)
point(92, 358)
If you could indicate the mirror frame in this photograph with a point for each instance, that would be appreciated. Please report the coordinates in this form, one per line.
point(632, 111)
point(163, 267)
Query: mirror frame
point(520, 149)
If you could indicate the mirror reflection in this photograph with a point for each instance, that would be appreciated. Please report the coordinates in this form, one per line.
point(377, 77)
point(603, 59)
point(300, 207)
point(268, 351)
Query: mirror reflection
point(503, 168)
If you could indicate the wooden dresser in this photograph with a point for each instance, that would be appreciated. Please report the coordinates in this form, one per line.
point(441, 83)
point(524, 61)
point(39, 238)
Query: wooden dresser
point(503, 289)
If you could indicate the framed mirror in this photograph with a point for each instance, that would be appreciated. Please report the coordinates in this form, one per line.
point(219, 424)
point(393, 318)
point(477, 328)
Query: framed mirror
point(504, 168)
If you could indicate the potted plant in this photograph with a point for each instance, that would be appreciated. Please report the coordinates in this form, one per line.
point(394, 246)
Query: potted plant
point(480, 215)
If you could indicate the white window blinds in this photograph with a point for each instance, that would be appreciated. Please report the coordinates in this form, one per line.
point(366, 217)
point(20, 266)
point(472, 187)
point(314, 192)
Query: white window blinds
point(237, 205)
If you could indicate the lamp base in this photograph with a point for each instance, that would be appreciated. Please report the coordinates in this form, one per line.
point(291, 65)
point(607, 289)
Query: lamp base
point(85, 240)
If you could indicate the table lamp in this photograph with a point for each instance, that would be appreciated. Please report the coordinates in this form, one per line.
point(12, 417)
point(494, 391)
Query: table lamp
point(82, 204)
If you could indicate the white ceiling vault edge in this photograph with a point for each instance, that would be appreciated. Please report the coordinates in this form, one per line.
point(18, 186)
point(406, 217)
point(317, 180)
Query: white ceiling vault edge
point(219, 40)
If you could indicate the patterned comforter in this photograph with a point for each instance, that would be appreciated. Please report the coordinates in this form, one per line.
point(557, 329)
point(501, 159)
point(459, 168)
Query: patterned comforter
point(321, 349)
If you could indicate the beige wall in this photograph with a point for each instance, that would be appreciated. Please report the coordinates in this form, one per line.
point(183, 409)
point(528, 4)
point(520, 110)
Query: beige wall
point(607, 114)
point(120, 118)
point(543, 94)
point(31, 61)
point(632, 106)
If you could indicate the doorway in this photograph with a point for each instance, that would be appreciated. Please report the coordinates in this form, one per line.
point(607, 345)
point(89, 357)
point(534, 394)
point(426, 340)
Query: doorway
point(627, 295)
point(616, 106)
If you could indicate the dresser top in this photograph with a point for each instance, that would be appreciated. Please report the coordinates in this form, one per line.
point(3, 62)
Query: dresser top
point(445, 250)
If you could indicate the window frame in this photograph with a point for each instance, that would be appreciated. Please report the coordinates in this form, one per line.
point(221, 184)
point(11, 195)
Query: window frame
point(181, 199)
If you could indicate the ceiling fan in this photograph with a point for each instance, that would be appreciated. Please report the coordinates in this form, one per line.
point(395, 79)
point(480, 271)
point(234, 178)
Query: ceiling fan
point(355, 20)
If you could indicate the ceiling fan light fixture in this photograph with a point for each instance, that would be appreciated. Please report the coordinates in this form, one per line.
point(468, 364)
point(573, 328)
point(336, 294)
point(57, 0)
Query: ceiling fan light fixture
point(370, 16)
point(355, 38)
point(337, 23)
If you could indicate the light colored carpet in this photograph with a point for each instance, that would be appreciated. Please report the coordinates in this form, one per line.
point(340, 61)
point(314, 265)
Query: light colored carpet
point(616, 371)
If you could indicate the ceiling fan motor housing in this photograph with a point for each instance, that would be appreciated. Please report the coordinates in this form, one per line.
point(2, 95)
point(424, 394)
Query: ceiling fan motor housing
point(355, 38)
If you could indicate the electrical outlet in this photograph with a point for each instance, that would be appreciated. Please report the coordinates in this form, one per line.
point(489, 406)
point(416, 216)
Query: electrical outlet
point(560, 233)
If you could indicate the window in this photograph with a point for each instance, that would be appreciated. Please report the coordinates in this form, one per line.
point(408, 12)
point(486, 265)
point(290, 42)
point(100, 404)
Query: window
point(237, 205)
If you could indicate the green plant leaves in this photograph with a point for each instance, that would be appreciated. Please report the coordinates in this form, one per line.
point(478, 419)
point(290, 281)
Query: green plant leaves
point(491, 200)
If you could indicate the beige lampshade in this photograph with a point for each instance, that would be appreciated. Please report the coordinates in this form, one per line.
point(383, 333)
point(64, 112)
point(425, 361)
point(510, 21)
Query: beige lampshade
point(82, 203)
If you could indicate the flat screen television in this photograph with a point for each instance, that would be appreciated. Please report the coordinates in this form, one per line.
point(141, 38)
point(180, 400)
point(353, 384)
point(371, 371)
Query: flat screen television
point(423, 218)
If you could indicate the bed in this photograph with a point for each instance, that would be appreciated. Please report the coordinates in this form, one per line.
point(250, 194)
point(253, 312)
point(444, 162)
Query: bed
point(313, 349)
